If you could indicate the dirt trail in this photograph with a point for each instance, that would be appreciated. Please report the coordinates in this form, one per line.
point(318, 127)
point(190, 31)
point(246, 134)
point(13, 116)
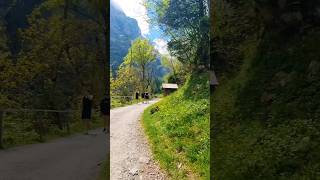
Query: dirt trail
point(130, 153)
point(73, 158)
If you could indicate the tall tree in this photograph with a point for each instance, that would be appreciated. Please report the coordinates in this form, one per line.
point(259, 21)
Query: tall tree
point(186, 22)
point(140, 55)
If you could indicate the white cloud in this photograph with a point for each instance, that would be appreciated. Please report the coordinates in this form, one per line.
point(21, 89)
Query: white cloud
point(135, 9)
point(162, 46)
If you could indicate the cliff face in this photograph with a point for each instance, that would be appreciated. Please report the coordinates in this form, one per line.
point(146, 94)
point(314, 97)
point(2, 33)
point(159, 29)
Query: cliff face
point(123, 30)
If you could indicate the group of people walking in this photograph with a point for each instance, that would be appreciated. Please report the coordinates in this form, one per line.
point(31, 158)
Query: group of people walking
point(87, 103)
point(145, 96)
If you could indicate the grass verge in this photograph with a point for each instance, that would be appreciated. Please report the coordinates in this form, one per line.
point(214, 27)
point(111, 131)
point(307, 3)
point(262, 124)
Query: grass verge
point(105, 171)
point(19, 131)
point(178, 130)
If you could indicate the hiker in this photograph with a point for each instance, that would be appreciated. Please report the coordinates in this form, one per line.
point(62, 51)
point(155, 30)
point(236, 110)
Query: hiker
point(86, 111)
point(146, 97)
point(137, 95)
point(105, 113)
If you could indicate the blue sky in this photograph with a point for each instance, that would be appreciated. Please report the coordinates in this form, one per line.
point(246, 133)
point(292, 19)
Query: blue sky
point(136, 10)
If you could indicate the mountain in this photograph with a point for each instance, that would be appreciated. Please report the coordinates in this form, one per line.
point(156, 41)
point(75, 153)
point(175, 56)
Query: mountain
point(123, 30)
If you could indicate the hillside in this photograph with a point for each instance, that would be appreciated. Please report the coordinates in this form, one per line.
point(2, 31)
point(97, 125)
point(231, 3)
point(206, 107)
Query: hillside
point(178, 130)
point(123, 30)
point(266, 109)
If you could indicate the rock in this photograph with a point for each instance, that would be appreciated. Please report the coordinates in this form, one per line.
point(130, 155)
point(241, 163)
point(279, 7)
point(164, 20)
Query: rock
point(144, 160)
point(134, 171)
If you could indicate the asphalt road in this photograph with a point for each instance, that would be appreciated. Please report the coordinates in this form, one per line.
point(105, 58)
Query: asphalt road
point(78, 157)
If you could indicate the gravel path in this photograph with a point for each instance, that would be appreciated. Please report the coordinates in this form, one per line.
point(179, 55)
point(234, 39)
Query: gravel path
point(74, 158)
point(130, 153)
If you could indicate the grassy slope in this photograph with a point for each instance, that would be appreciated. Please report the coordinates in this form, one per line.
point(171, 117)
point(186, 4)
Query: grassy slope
point(266, 117)
point(179, 130)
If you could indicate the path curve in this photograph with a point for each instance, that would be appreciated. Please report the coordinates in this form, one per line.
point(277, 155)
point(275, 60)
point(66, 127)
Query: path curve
point(78, 157)
point(130, 153)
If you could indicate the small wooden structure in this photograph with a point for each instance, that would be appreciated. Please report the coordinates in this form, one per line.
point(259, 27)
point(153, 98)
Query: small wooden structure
point(168, 88)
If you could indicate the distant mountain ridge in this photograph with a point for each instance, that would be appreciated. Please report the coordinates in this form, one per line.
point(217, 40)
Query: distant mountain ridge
point(123, 30)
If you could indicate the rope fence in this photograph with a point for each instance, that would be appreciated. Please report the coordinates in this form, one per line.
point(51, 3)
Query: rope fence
point(36, 123)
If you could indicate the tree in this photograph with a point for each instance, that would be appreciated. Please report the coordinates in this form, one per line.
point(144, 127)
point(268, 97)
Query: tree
point(139, 56)
point(186, 22)
point(126, 82)
point(172, 64)
point(68, 51)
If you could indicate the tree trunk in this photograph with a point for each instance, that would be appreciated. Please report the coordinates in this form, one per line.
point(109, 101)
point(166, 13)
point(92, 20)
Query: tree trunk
point(143, 78)
point(173, 69)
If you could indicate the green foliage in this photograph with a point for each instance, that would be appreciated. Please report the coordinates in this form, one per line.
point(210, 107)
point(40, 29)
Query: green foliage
point(61, 57)
point(265, 113)
point(120, 102)
point(137, 72)
point(177, 70)
point(186, 23)
point(105, 170)
point(140, 53)
point(24, 128)
point(178, 130)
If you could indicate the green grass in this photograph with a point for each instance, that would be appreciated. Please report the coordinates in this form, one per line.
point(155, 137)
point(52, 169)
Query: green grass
point(20, 130)
point(178, 130)
point(105, 171)
point(266, 116)
point(122, 102)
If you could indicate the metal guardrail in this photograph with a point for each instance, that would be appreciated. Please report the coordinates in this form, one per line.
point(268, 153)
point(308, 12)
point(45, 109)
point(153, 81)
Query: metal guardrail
point(39, 121)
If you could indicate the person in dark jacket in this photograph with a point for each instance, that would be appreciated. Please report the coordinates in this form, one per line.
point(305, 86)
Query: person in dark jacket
point(105, 113)
point(147, 97)
point(86, 111)
point(137, 95)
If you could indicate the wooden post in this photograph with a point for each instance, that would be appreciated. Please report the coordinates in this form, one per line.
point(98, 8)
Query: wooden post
point(1, 129)
point(67, 121)
point(40, 128)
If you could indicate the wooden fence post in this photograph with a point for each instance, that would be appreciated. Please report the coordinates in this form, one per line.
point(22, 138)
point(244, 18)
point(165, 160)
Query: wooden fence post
point(2, 113)
point(68, 124)
point(40, 128)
